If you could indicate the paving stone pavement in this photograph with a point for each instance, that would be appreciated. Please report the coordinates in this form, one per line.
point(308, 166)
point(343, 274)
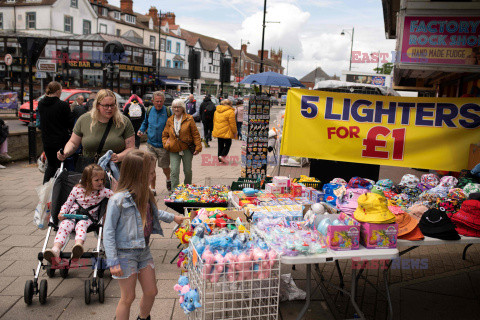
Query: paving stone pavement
point(447, 289)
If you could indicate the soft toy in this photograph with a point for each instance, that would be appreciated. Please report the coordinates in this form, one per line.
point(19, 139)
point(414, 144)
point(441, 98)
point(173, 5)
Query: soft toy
point(260, 257)
point(182, 287)
point(244, 265)
point(190, 302)
point(230, 271)
point(208, 263)
point(218, 268)
point(184, 234)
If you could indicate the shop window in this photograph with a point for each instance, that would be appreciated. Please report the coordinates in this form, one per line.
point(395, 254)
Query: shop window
point(87, 27)
point(169, 46)
point(136, 77)
point(74, 3)
point(152, 42)
point(1, 20)
point(31, 20)
point(169, 64)
point(92, 78)
point(125, 79)
point(178, 48)
point(68, 24)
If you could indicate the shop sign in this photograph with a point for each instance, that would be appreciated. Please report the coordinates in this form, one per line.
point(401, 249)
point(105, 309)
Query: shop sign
point(441, 40)
point(429, 133)
point(84, 64)
point(134, 68)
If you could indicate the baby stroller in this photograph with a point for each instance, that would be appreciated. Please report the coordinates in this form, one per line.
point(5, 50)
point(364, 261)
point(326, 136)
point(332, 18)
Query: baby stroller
point(64, 183)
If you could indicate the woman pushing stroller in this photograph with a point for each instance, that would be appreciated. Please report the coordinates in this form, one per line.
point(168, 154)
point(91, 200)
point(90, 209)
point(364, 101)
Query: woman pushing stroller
point(88, 195)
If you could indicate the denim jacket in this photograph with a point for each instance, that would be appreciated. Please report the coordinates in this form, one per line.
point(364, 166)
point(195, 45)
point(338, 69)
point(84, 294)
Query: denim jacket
point(123, 227)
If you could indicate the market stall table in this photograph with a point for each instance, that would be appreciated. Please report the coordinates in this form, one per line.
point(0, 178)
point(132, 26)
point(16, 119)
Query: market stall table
point(180, 206)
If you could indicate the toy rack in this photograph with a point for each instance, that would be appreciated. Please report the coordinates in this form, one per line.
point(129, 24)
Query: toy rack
point(234, 300)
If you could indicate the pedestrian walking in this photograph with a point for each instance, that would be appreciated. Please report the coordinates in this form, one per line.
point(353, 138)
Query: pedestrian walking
point(224, 128)
point(91, 99)
point(239, 116)
point(182, 139)
point(132, 217)
point(55, 125)
point(191, 105)
point(207, 110)
point(135, 111)
point(78, 107)
point(102, 129)
point(153, 125)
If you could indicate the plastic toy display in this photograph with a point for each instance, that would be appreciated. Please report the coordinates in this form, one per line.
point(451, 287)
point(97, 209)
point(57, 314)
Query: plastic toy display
point(199, 194)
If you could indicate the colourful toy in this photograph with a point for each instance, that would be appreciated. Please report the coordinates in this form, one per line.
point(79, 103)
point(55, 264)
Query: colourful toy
point(191, 301)
point(218, 268)
point(230, 271)
point(182, 287)
point(244, 266)
point(208, 261)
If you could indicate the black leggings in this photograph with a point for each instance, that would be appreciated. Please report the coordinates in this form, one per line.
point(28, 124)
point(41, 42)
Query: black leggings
point(207, 131)
point(224, 147)
point(53, 163)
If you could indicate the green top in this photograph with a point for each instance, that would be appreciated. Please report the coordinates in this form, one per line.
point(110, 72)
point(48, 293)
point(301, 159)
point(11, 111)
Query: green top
point(91, 138)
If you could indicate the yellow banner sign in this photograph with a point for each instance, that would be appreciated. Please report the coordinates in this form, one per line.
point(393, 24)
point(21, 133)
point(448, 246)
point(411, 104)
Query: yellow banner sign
point(430, 133)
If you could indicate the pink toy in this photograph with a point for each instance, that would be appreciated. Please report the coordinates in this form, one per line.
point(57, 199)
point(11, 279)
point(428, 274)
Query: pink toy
point(184, 290)
point(208, 263)
point(260, 256)
point(218, 269)
point(244, 265)
point(230, 260)
point(272, 256)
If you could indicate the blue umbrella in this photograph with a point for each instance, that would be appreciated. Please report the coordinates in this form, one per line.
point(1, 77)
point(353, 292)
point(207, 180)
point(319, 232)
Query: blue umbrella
point(272, 79)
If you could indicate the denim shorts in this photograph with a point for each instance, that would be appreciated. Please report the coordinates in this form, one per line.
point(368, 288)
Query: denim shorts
point(133, 260)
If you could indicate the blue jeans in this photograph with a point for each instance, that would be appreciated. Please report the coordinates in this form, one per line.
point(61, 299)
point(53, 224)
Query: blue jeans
point(133, 260)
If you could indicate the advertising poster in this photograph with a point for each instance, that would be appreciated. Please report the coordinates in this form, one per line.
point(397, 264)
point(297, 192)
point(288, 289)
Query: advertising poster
point(441, 40)
point(429, 133)
point(8, 100)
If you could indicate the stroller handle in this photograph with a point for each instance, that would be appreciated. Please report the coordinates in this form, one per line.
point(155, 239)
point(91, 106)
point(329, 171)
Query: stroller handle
point(61, 163)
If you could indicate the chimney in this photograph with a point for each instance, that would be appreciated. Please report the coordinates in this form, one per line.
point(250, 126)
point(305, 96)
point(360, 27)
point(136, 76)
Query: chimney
point(265, 54)
point(126, 6)
point(168, 17)
point(244, 48)
point(153, 13)
point(276, 56)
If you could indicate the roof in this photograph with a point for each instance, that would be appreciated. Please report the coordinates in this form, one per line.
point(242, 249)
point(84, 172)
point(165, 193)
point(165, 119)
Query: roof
point(207, 43)
point(315, 74)
point(18, 3)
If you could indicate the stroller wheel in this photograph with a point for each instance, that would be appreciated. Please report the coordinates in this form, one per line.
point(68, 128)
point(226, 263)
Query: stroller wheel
point(88, 292)
point(50, 271)
point(64, 273)
point(101, 290)
point(28, 292)
point(42, 293)
point(100, 273)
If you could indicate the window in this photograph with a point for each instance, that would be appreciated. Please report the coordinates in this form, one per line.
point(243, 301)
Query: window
point(178, 48)
point(1, 20)
point(169, 46)
point(118, 32)
point(87, 27)
point(68, 24)
point(103, 28)
point(129, 18)
point(178, 64)
point(162, 45)
point(74, 3)
point(152, 42)
point(31, 20)
point(169, 64)
point(104, 12)
point(10, 1)
point(116, 15)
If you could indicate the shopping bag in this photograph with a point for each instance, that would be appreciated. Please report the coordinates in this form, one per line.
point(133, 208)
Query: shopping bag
point(42, 211)
point(42, 163)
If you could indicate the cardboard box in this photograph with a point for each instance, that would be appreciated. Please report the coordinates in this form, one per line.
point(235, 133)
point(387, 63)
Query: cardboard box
point(282, 181)
point(317, 196)
point(296, 190)
point(379, 236)
point(342, 237)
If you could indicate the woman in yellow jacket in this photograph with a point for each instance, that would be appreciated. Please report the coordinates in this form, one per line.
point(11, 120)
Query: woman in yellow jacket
point(224, 128)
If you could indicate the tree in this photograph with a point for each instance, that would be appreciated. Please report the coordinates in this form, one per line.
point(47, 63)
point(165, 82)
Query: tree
point(386, 68)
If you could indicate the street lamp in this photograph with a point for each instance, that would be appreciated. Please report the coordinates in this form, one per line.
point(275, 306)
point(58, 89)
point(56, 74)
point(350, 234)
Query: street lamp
point(351, 46)
point(288, 58)
point(240, 60)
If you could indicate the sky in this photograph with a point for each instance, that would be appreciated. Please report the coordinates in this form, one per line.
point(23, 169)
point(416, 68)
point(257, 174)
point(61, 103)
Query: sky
point(308, 31)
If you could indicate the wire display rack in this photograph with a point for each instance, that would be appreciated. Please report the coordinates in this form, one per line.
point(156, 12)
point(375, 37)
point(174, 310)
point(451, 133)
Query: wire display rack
point(234, 294)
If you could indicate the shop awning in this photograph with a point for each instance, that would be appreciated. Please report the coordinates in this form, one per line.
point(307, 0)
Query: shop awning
point(172, 82)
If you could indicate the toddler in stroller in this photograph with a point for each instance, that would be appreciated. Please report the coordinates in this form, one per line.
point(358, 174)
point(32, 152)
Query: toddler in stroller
point(85, 199)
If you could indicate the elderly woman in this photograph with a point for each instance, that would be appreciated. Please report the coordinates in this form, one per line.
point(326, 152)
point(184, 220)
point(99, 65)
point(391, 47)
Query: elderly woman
point(224, 128)
point(182, 139)
point(103, 128)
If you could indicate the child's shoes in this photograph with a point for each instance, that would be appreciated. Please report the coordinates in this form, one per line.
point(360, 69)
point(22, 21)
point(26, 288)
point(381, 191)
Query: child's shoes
point(77, 251)
point(49, 254)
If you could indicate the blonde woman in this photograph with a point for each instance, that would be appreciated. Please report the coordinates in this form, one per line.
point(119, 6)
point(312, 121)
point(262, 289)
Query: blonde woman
point(224, 128)
point(182, 139)
point(90, 128)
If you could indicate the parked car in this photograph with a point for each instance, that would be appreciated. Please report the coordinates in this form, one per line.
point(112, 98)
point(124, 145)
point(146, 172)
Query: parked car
point(68, 95)
point(283, 100)
point(121, 100)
